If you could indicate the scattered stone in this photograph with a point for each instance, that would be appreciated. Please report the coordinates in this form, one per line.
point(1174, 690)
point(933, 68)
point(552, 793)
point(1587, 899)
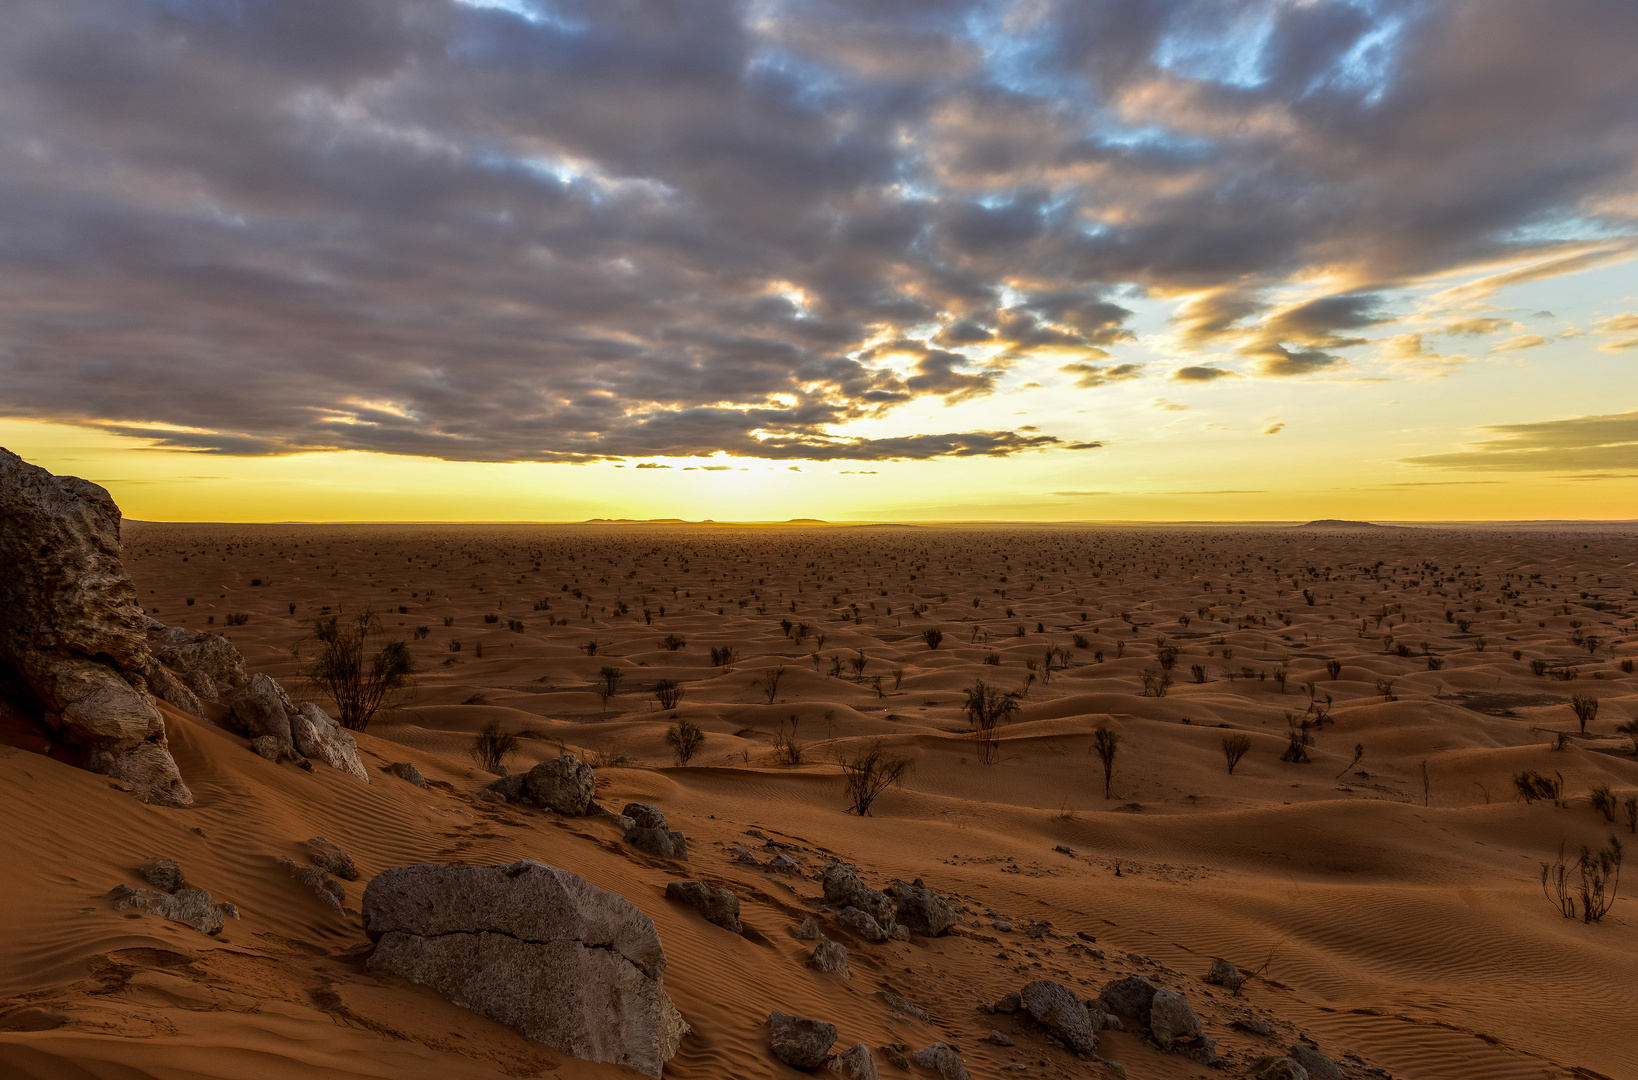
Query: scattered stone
point(1058, 1009)
point(1255, 1025)
point(784, 864)
point(1315, 1063)
point(319, 883)
point(74, 631)
point(1138, 958)
point(186, 905)
point(719, 906)
point(808, 929)
point(564, 785)
point(945, 1061)
point(1201, 1051)
point(899, 932)
point(645, 816)
point(406, 771)
point(923, 911)
point(830, 957)
point(1223, 973)
point(1171, 1018)
point(743, 856)
point(666, 845)
point(862, 924)
point(1002, 925)
point(1114, 1068)
point(319, 737)
point(856, 1063)
point(1038, 930)
point(1009, 1004)
point(999, 1038)
point(1084, 936)
point(331, 859)
point(1284, 1069)
point(844, 889)
point(1129, 997)
point(908, 1008)
point(801, 1044)
point(487, 795)
point(163, 874)
point(534, 947)
point(895, 1055)
point(1064, 849)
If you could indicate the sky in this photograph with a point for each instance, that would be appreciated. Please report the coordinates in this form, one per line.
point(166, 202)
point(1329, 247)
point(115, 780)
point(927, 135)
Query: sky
point(1048, 260)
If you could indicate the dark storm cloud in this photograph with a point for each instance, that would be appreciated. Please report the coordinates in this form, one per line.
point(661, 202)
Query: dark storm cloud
point(567, 230)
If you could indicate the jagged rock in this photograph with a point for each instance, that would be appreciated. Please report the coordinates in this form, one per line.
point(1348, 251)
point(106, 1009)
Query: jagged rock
point(801, 1044)
point(407, 772)
point(1058, 1009)
point(1284, 1069)
point(1223, 973)
point(908, 1008)
point(1009, 1004)
point(261, 707)
point(844, 889)
point(1201, 1051)
point(564, 785)
point(719, 906)
point(784, 864)
point(513, 789)
point(169, 688)
point(808, 929)
point(331, 859)
point(831, 957)
point(1000, 1038)
point(940, 1058)
point(274, 749)
point(1315, 1063)
point(535, 947)
point(666, 845)
point(1171, 1018)
point(862, 924)
point(74, 631)
point(317, 736)
point(857, 1063)
point(743, 856)
point(895, 1055)
point(163, 874)
point(208, 663)
point(922, 910)
point(1129, 997)
point(644, 816)
point(319, 883)
point(899, 933)
point(1256, 1026)
point(186, 905)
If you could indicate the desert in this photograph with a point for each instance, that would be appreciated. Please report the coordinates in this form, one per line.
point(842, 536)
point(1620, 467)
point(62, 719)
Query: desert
point(1380, 898)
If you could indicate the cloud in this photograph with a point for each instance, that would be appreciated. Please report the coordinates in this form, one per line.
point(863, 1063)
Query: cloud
point(1477, 327)
point(1626, 323)
point(493, 232)
point(1607, 443)
point(1274, 429)
point(1522, 341)
point(652, 465)
point(1194, 374)
point(1077, 494)
point(1412, 350)
point(1167, 406)
point(1090, 376)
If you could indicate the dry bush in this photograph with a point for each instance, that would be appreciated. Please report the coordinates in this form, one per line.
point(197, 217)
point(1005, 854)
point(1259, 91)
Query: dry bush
point(611, 677)
point(787, 750)
point(668, 692)
point(358, 681)
point(871, 773)
point(1155, 683)
point(987, 707)
point(492, 746)
point(1235, 747)
point(1106, 744)
point(1585, 707)
point(1602, 801)
point(1598, 876)
point(1299, 737)
point(685, 739)
point(672, 643)
point(933, 636)
point(1532, 786)
point(769, 683)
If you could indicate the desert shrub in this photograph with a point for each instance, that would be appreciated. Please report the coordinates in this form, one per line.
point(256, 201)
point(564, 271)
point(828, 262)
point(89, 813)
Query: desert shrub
point(668, 692)
point(1626, 664)
point(1630, 809)
point(857, 663)
point(515, 625)
point(787, 750)
point(237, 618)
point(1166, 656)
point(343, 665)
point(1280, 676)
point(1081, 642)
point(871, 773)
point(1532, 785)
point(449, 620)
point(1630, 730)
point(672, 643)
point(993, 659)
point(724, 656)
point(421, 632)
point(1155, 683)
point(1235, 747)
point(685, 739)
point(491, 618)
point(610, 676)
point(769, 683)
point(1436, 663)
point(1538, 667)
point(987, 707)
point(1568, 674)
point(1300, 737)
point(1333, 668)
point(454, 645)
point(590, 647)
point(491, 746)
point(1585, 707)
point(1106, 744)
point(933, 636)
point(1198, 671)
point(1593, 890)
point(1602, 801)
point(1385, 688)
point(898, 677)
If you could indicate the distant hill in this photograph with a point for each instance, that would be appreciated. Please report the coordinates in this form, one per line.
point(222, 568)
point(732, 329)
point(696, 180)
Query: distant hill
point(1337, 523)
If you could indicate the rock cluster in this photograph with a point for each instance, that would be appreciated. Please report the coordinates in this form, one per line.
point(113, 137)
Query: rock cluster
point(535, 947)
point(74, 631)
point(207, 664)
point(280, 730)
point(719, 906)
point(1165, 1012)
point(171, 899)
point(651, 833)
point(565, 785)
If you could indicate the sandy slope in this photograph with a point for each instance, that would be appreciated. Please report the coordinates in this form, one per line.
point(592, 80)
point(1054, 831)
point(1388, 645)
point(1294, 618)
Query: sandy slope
point(1403, 926)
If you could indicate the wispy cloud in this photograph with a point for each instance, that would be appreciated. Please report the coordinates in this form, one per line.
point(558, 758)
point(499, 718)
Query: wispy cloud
point(1580, 444)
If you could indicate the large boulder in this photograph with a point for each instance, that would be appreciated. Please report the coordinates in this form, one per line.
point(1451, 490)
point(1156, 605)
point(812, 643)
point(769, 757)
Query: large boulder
point(74, 631)
point(799, 1043)
point(317, 736)
point(1172, 1019)
point(844, 889)
point(922, 910)
point(1059, 1009)
point(565, 784)
point(534, 947)
point(260, 708)
point(1130, 996)
point(263, 712)
point(208, 663)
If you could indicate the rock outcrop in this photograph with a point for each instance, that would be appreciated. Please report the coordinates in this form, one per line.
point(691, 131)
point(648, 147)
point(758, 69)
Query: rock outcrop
point(208, 663)
point(651, 832)
point(261, 710)
point(719, 906)
point(188, 905)
point(534, 947)
point(565, 785)
point(922, 910)
point(799, 1043)
point(74, 631)
point(844, 889)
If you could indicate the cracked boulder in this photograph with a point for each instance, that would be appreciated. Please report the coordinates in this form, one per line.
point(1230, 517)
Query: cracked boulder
point(537, 948)
point(74, 630)
point(564, 785)
point(1059, 1009)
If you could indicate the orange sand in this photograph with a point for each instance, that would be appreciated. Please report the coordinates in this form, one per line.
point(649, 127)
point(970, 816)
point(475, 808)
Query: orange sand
point(1414, 936)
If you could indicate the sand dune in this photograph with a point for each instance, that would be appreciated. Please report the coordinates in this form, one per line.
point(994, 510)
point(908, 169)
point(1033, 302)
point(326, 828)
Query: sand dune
point(1390, 913)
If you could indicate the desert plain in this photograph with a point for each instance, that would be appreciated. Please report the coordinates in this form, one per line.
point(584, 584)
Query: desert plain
point(1383, 898)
